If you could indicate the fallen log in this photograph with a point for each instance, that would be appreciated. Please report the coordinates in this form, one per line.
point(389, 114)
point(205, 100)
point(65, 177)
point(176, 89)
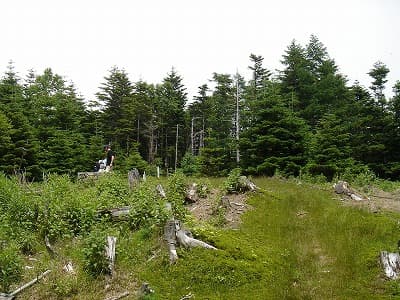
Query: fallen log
point(120, 296)
point(12, 295)
point(86, 175)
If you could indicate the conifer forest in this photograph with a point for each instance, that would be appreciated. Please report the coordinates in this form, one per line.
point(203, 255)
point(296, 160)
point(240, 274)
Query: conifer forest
point(306, 118)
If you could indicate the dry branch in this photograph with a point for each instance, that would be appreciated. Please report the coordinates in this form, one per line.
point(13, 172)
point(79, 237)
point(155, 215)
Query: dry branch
point(20, 289)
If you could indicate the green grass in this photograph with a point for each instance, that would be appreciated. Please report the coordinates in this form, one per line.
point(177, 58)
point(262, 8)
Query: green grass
point(298, 242)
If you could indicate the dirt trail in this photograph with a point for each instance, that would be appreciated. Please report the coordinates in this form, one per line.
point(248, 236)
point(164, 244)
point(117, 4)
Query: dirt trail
point(377, 200)
point(234, 205)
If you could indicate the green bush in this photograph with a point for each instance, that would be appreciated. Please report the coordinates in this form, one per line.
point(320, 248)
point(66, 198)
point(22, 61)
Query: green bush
point(95, 262)
point(63, 210)
point(147, 208)
point(236, 183)
point(190, 164)
point(11, 266)
point(176, 191)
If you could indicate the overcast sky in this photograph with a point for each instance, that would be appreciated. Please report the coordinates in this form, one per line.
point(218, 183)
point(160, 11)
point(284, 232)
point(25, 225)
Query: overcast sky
point(82, 39)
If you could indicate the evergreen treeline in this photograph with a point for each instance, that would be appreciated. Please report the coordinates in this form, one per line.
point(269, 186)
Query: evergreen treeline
point(303, 118)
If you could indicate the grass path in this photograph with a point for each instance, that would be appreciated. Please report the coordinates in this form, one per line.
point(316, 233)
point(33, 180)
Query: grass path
point(298, 242)
point(334, 249)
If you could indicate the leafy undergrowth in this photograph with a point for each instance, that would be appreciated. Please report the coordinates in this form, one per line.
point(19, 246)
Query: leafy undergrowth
point(299, 242)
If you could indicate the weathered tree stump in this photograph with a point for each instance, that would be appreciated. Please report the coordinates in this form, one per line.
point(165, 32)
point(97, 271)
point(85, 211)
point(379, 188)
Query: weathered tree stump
point(133, 178)
point(161, 191)
point(342, 187)
point(110, 253)
point(192, 195)
point(186, 239)
point(391, 264)
point(246, 184)
point(170, 237)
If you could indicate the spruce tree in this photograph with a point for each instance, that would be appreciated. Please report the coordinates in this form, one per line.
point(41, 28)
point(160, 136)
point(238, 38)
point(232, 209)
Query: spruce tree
point(20, 156)
point(276, 141)
point(118, 120)
point(172, 97)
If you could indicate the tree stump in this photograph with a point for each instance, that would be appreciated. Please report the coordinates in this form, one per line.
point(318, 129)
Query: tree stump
point(161, 191)
point(391, 264)
point(192, 195)
point(342, 187)
point(133, 178)
point(110, 253)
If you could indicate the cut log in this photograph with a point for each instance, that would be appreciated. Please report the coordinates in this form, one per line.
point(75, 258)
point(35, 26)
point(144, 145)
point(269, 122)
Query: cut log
point(119, 212)
point(116, 213)
point(391, 264)
point(20, 289)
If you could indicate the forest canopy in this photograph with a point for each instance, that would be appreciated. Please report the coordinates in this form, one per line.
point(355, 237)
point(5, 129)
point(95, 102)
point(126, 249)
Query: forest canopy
point(304, 118)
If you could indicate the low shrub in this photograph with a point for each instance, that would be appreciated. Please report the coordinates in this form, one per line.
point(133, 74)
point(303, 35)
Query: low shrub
point(11, 265)
point(95, 263)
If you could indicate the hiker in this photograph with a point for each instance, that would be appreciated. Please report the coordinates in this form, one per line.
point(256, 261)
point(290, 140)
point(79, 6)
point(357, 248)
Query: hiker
point(110, 156)
point(100, 166)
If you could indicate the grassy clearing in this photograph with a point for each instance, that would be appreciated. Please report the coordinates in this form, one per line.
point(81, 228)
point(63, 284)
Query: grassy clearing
point(298, 242)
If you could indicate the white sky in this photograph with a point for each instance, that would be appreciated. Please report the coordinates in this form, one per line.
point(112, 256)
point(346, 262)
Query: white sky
point(82, 39)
